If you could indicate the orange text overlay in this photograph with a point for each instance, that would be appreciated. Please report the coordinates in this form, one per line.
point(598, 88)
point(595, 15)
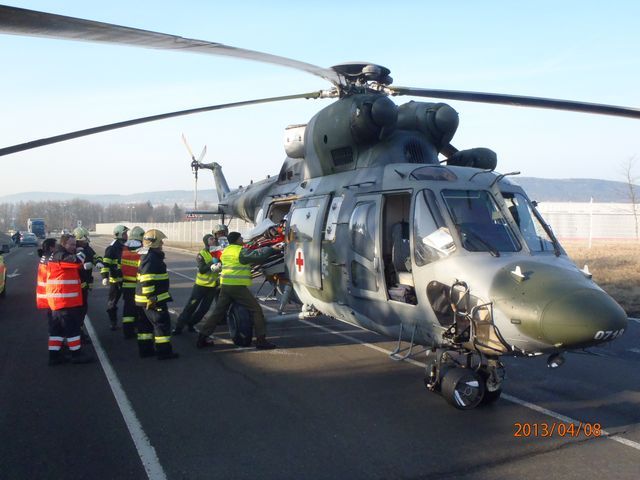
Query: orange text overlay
point(558, 429)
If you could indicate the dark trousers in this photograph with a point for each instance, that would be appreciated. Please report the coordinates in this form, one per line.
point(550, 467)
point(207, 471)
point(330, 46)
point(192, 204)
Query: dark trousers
point(198, 304)
point(115, 291)
point(229, 294)
point(130, 312)
point(145, 335)
point(159, 318)
point(65, 324)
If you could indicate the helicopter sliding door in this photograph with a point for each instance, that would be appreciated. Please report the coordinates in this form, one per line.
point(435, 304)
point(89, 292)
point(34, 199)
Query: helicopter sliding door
point(364, 258)
point(305, 240)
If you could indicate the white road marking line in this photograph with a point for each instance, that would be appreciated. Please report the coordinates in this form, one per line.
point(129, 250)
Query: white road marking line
point(147, 453)
point(634, 350)
point(635, 319)
point(510, 398)
point(181, 275)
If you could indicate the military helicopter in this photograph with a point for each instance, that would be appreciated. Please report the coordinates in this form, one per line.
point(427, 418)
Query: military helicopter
point(381, 233)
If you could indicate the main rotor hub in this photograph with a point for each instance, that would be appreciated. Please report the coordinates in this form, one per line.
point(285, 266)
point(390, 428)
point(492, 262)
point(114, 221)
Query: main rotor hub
point(363, 75)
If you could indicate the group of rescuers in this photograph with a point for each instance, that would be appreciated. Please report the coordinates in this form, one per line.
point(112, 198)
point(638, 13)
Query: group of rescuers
point(134, 269)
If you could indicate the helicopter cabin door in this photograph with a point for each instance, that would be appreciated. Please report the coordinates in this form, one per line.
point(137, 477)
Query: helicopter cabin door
point(364, 269)
point(305, 240)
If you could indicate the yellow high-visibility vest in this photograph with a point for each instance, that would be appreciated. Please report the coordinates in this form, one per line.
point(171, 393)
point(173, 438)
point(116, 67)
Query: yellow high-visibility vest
point(210, 278)
point(233, 272)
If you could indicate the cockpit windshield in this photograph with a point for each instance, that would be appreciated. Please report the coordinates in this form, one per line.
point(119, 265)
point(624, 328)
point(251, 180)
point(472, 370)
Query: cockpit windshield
point(530, 224)
point(480, 223)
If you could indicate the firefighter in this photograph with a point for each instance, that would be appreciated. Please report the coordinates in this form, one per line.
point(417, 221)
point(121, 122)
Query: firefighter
point(86, 274)
point(64, 294)
point(235, 280)
point(205, 289)
point(152, 294)
point(112, 273)
point(129, 265)
point(48, 246)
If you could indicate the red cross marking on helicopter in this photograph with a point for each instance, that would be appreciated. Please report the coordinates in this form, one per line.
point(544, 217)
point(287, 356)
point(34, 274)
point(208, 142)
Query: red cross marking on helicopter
point(300, 261)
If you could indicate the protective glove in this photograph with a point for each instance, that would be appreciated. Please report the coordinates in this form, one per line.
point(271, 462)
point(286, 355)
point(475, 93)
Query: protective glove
point(216, 267)
point(88, 266)
point(100, 265)
point(105, 281)
point(81, 256)
point(151, 302)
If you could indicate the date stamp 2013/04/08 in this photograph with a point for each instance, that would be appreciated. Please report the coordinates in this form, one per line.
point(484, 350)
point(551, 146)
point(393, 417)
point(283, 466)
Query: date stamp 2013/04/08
point(558, 429)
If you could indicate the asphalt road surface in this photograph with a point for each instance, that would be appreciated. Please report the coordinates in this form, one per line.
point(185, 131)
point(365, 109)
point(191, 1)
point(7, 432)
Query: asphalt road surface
point(328, 403)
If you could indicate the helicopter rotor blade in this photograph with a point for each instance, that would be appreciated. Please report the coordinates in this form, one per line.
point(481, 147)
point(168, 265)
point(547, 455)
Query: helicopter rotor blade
point(202, 154)
point(186, 144)
point(518, 101)
point(113, 126)
point(19, 21)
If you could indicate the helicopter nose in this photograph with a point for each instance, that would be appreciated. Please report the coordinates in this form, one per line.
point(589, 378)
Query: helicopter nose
point(582, 318)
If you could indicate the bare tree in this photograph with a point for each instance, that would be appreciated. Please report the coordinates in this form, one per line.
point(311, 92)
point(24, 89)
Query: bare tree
point(632, 179)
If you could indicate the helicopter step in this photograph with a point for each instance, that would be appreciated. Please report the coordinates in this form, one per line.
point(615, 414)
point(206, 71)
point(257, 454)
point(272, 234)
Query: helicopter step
point(399, 353)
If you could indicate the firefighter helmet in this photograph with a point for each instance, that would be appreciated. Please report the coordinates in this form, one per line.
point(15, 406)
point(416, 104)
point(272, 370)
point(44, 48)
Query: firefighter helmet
point(119, 231)
point(81, 234)
point(136, 233)
point(221, 228)
point(153, 238)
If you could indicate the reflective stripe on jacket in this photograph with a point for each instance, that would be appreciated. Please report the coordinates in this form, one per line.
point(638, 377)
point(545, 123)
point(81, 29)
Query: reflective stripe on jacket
point(63, 285)
point(129, 264)
point(233, 272)
point(208, 279)
point(41, 286)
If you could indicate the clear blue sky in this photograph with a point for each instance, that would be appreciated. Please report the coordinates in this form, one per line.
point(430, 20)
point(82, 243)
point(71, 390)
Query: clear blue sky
point(579, 50)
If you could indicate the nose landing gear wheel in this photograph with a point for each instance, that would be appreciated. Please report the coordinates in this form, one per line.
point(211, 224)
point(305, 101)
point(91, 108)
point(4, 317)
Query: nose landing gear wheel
point(463, 388)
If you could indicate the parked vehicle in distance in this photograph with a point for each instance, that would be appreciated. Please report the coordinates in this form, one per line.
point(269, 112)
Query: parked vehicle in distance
point(37, 227)
point(28, 239)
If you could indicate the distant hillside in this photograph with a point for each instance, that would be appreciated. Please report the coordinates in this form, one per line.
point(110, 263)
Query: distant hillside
point(575, 190)
point(540, 189)
point(169, 197)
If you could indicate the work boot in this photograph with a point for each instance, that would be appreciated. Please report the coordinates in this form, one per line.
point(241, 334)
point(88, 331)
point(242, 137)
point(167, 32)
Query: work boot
point(80, 356)
point(176, 331)
point(204, 341)
point(263, 344)
point(56, 358)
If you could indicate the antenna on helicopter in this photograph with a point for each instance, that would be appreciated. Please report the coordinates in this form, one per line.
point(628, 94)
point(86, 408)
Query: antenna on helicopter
point(195, 165)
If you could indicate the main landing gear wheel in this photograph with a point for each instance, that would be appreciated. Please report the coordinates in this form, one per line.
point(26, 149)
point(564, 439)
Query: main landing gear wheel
point(463, 388)
point(240, 325)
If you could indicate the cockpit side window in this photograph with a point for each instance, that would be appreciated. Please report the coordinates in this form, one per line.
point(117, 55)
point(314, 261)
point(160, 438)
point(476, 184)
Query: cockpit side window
point(480, 223)
point(432, 239)
point(532, 230)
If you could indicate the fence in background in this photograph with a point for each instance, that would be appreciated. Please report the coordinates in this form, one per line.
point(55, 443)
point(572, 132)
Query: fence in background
point(182, 232)
point(568, 220)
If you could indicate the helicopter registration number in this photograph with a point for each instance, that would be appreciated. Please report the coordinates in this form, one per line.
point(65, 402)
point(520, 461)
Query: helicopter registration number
point(608, 334)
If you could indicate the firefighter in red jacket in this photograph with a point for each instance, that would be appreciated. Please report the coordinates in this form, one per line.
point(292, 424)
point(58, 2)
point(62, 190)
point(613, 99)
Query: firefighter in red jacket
point(112, 273)
point(130, 260)
point(64, 294)
point(152, 294)
point(48, 246)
